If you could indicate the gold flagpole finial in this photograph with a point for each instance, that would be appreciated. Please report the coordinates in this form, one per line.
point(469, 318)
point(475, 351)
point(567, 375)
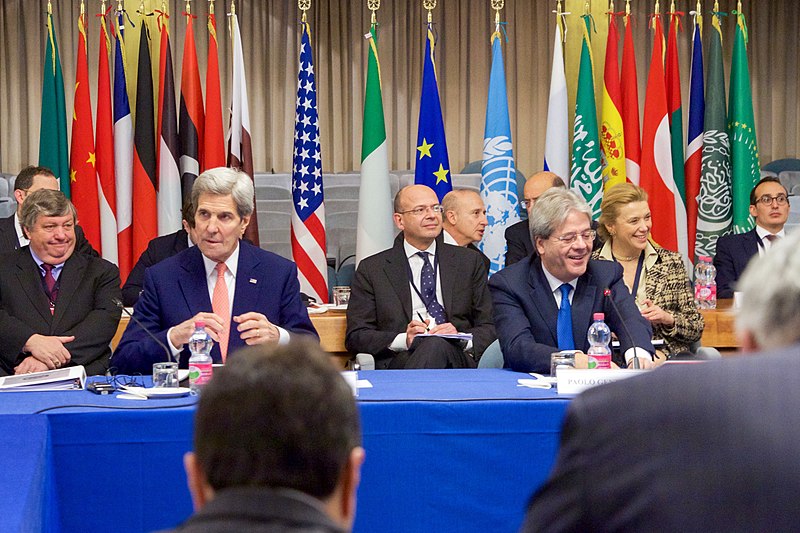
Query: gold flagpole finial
point(304, 6)
point(610, 10)
point(627, 8)
point(658, 8)
point(103, 6)
point(119, 6)
point(49, 7)
point(373, 5)
point(716, 6)
point(210, 7)
point(586, 9)
point(430, 5)
point(188, 7)
point(739, 6)
point(233, 7)
point(83, 8)
point(497, 5)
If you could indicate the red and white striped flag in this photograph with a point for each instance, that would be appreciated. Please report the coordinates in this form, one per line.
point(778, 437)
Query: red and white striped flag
point(656, 171)
point(240, 148)
point(104, 151)
point(169, 178)
point(213, 153)
point(191, 113)
point(308, 217)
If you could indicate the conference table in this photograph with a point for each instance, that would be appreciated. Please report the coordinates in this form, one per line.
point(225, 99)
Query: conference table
point(446, 450)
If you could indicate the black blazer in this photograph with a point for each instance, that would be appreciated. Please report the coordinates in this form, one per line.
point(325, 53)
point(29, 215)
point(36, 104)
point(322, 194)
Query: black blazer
point(702, 447)
point(733, 254)
point(9, 240)
point(87, 288)
point(380, 299)
point(157, 250)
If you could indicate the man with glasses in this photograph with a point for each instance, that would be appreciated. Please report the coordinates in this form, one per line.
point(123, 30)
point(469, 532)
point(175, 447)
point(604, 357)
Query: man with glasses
point(420, 286)
point(545, 302)
point(769, 205)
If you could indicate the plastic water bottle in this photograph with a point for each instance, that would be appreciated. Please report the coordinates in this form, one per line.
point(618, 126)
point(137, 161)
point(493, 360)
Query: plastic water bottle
point(200, 367)
point(705, 284)
point(599, 338)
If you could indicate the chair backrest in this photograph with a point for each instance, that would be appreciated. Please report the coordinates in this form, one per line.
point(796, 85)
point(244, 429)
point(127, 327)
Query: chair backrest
point(492, 357)
point(779, 165)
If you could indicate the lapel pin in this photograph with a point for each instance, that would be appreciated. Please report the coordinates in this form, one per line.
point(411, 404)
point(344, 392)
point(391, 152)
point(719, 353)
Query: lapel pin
point(253, 281)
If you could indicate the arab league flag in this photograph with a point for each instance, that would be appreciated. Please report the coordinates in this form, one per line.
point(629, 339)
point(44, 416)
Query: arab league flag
point(53, 146)
point(586, 178)
point(745, 171)
point(433, 165)
point(498, 173)
point(375, 231)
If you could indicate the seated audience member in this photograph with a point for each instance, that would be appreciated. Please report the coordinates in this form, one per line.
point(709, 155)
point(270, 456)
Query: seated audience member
point(769, 204)
point(464, 220)
point(277, 445)
point(702, 447)
point(545, 302)
point(518, 236)
point(56, 306)
point(244, 295)
point(655, 277)
point(157, 250)
point(31, 179)
point(420, 285)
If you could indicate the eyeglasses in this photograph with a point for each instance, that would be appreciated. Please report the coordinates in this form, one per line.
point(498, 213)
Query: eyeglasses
point(423, 210)
point(781, 199)
point(569, 238)
point(528, 202)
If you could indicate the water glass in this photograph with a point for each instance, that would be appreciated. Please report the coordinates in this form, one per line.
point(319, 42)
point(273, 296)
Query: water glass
point(564, 359)
point(165, 375)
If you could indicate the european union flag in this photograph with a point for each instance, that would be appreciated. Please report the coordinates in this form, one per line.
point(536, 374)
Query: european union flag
point(433, 165)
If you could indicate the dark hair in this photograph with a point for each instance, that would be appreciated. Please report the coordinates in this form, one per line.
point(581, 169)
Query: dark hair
point(25, 177)
point(768, 179)
point(277, 416)
point(187, 212)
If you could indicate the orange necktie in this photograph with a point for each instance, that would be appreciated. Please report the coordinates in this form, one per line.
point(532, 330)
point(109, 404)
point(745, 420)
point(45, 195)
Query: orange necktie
point(221, 306)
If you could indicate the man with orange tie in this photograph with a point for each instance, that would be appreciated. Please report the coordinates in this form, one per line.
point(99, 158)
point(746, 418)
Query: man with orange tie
point(243, 295)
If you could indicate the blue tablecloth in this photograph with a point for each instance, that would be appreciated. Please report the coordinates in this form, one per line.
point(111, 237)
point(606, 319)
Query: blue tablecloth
point(447, 450)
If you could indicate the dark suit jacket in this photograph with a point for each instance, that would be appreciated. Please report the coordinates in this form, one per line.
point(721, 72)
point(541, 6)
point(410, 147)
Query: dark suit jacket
point(176, 289)
point(486, 261)
point(703, 447)
point(9, 240)
point(157, 250)
point(519, 244)
point(733, 254)
point(525, 312)
point(380, 299)
point(87, 288)
point(260, 510)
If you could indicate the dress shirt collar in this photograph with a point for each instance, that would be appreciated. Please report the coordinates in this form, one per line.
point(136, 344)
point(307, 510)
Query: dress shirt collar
point(21, 238)
point(56, 268)
point(232, 263)
point(555, 283)
point(762, 233)
point(448, 239)
point(411, 251)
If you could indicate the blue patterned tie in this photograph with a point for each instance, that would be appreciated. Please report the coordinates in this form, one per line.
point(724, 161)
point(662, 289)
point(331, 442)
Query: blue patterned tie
point(564, 324)
point(428, 290)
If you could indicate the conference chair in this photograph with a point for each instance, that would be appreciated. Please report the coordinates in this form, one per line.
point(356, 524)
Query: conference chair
point(492, 357)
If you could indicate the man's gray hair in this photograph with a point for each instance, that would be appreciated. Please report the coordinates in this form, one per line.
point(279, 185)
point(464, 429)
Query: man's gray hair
point(226, 181)
point(552, 209)
point(45, 203)
point(770, 295)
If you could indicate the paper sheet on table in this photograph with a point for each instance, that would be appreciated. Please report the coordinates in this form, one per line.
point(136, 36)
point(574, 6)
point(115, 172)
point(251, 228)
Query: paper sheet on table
point(457, 336)
point(534, 383)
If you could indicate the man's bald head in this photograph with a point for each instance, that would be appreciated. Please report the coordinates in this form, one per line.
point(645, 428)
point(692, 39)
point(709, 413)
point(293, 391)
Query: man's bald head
point(464, 216)
point(538, 184)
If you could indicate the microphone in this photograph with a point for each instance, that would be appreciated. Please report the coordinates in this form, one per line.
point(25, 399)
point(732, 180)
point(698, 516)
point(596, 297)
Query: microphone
point(607, 294)
point(118, 303)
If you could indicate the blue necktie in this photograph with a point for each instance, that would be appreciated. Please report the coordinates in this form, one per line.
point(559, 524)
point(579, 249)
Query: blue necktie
point(428, 290)
point(564, 324)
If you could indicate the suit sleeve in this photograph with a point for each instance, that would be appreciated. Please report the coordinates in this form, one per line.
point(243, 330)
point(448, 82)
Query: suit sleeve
point(135, 282)
point(631, 328)
point(521, 350)
point(515, 248)
point(363, 334)
point(294, 316)
point(483, 332)
point(82, 245)
point(726, 270)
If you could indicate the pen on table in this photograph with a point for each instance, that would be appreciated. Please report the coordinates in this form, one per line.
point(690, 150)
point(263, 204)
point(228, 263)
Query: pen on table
point(422, 320)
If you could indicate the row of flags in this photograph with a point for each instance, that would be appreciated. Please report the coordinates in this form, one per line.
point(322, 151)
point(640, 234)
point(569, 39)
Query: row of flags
point(699, 186)
point(129, 181)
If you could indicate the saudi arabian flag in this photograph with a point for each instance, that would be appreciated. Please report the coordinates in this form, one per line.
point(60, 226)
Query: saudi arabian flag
point(714, 202)
point(53, 145)
point(375, 231)
point(585, 175)
point(742, 131)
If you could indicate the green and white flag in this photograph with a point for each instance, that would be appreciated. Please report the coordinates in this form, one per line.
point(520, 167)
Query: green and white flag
point(742, 131)
point(585, 175)
point(53, 145)
point(714, 203)
point(375, 231)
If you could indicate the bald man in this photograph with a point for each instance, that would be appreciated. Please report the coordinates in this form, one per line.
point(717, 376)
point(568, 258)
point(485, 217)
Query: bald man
point(464, 220)
point(518, 237)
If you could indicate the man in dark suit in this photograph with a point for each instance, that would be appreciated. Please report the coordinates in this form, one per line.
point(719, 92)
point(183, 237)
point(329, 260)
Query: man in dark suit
point(157, 250)
point(464, 220)
point(32, 179)
point(418, 285)
point(545, 302)
point(277, 445)
point(56, 306)
point(769, 204)
point(518, 237)
point(243, 295)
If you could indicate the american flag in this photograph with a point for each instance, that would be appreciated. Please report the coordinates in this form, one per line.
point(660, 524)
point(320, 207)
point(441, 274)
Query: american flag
point(308, 217)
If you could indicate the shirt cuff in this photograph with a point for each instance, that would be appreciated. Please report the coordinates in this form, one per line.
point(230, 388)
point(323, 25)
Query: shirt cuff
point(175, 351)
point(399, 343)
point(638, 352)
point(283, 335)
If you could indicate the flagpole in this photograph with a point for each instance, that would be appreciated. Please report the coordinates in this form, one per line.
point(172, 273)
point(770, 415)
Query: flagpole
point(373, 6)
point(304, 6)
point(430, 5)
point(497, 5)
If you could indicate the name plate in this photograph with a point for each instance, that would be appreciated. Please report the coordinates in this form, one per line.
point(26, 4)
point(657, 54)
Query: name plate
point(575, 381)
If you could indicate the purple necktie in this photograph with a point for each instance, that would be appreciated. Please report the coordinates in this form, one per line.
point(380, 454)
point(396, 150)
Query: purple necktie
point(50, 286)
